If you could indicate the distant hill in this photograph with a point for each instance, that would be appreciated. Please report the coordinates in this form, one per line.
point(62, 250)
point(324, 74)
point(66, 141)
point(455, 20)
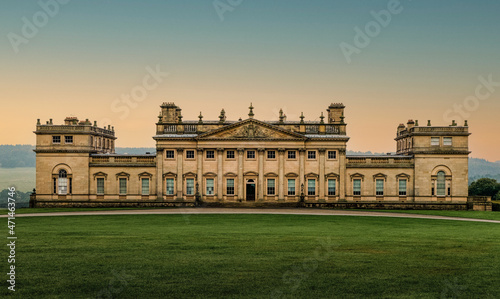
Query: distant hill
point(14, 156)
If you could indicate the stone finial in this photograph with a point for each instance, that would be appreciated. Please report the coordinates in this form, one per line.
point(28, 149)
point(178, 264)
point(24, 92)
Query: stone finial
point(281, 116)
point(301, 117)
point(251, 114)
point(200, 117)
point(429, 123)
point(466, 124)
point(222, 116)
point(112, 128)
point(322, 121)
point(37, 121)
point(50, 121)
point(179, 117)
point(453, 123)
point(416, 123)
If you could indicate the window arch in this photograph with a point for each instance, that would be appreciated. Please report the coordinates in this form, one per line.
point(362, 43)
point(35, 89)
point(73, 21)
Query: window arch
point(441, 183)
point(62, 186)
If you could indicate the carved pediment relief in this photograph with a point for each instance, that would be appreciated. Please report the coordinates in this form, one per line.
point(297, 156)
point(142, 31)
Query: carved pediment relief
point(250, 129)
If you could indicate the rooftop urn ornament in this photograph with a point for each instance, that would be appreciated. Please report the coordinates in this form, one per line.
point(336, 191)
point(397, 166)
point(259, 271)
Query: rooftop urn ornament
point(201, 118)
point(250, 114)
point(322, 118)
point(222, 116)
point(429, 123)
point(180, 117)
point(416, 123)
point(453, 123)
point(466, 124)
point(282, 117)
point(301, 117)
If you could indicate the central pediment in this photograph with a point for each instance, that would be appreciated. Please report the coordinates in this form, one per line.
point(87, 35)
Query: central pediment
point(251, 129)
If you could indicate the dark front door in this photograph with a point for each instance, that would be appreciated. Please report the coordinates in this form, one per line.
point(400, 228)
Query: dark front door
point(250, 192)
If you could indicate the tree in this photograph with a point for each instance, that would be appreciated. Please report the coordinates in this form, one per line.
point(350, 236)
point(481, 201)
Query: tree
point(484, 187)
point(497, 196)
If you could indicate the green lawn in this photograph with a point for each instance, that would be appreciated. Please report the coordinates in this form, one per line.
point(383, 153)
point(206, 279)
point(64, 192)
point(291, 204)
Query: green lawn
point(249, 256)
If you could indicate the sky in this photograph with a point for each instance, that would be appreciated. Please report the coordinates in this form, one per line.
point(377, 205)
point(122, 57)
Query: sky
point(388, 61)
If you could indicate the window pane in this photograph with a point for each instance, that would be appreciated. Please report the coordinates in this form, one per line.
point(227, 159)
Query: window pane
point(379, 187)
point(190, 155)
point(123, 186)
point(291, 186)
point(447, 141)
point(230, 186)
point(331, 187)
point(250, 154)
point(271, 154)
point(441, 183)
point(169, 154)
point(210, 186)
point(210, 155)
point(356, 187)
point(170, 186)
point(270, 187)
point(402, 187)
point(145, 186)
point(100, 186)
point(189, 186)
point(434, 140)
point(56, 139)
point(68, 139)
point(311, 155)
point(311, 187)
point(291, 154)
point(230, 154)
point(332, 154)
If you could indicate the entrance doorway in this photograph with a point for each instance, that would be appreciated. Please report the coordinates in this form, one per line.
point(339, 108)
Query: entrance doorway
point(250, 194)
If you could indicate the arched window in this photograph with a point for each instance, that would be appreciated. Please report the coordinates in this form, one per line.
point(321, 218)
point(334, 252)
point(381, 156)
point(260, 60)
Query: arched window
point(63, 182)
point(441, 183)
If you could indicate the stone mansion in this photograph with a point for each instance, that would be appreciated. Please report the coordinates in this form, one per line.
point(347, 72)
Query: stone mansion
point(237, 162)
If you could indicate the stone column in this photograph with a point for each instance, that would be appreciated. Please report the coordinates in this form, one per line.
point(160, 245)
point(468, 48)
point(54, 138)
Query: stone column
point(180, 172)
point(159, 174)
point(241, 183)
point(199, 170)
point(321, 183)
point(261, 174)
point(220, 175)
point(302, 166)
point(342, 174)
point(281, 174)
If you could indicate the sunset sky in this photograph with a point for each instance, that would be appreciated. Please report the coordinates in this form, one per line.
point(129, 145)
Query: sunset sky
point(422, 60)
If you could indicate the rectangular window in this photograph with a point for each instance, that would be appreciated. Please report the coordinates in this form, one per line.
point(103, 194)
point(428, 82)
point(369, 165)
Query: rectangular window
point(402, 187)
point(271, 154)
point(447, 141)
point(210, 154)
point(56, 139)
point(63, 186)
point(145, 186)
point(230, 186)
point(332, 154)
point(311, 187)
point(123, 186)
point(189, 154)
point(271, 190)
point(68, 139)
point(169, 154)
point(250, 154)
point(435, 141)
point(311, 155)
point(210, 186)
point(291, 186)
point(292, 155)
point(332, 188)
point(189, 186)
point(380, 187)
point(100, 186)
point(356, 187)
point(230, 154)
point(170, 186)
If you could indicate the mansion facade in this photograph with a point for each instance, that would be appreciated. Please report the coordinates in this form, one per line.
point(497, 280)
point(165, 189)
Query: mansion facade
point(248, 160)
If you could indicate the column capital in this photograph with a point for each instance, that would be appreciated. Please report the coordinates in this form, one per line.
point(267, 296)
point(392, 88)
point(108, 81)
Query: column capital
point(199, 149)
point(180, 150)
point(342, 150)
point(321, 150)
point(241, 150)
point(302, 150)
point(261, 150)
point(220, 150)
point(281, 150)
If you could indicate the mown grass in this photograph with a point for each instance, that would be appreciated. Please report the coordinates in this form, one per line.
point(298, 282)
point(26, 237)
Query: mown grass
point(250, 256)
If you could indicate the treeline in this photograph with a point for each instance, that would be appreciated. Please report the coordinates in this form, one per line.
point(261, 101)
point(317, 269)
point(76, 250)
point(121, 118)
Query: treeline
point(22, 155)
point(22, 199)
point(485, 187)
